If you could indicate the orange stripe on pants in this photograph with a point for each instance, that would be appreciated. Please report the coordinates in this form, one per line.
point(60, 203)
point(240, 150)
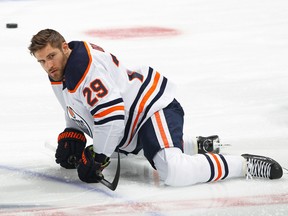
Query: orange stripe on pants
point(161, 130)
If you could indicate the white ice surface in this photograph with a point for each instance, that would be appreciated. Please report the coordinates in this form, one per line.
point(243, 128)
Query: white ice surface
point(230, 64)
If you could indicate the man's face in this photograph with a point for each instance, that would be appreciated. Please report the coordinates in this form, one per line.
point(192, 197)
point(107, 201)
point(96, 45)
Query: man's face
point(53, 60)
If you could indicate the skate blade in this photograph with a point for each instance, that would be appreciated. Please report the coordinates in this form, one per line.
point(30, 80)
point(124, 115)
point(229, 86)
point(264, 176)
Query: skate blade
point(221, 145)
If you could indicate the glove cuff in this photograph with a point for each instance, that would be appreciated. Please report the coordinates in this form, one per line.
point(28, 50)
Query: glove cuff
point(72, 134)
point(101, 158)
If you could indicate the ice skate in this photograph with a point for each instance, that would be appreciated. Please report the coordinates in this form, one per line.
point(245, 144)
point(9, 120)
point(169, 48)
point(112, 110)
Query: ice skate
point(208, 144)
point(262, 167)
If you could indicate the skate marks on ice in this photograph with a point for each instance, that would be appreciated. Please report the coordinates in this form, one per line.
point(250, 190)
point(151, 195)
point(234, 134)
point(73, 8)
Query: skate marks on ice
point(23, 193)
point(173, 207)
point(51, 190)
point(66, 195)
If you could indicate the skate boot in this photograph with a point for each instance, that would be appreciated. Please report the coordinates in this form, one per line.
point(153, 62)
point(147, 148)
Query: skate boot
point(208, 144)
point(262, 167)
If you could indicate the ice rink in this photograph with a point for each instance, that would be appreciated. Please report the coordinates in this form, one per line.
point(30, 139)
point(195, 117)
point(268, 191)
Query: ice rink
point(229, 61)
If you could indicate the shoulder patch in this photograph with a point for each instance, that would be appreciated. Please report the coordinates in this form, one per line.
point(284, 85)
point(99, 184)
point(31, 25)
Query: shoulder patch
point(77, 65)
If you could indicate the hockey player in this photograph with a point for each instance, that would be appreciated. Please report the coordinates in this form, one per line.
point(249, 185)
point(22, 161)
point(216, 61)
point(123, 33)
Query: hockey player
point(129, 110)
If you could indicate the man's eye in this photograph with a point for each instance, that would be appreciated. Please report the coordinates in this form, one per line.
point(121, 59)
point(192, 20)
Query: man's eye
point(51, 56)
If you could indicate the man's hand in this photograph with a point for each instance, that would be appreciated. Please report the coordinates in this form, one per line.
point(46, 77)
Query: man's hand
point(71, 143)
point(91, 165)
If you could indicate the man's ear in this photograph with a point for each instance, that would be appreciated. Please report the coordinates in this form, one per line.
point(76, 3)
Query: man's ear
point(65, 47)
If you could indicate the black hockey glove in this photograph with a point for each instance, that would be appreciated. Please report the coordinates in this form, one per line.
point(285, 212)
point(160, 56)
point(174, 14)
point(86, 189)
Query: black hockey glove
point(91, 165)
point(71, 143)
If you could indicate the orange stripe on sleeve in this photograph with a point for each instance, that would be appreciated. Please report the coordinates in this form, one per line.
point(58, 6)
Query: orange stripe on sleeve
point(108, 111)
point(218, 166)
point(144, 100)
point(161, 129)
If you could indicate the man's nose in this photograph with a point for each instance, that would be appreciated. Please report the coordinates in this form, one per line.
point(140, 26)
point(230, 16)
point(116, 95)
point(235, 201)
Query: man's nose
point(49, 64)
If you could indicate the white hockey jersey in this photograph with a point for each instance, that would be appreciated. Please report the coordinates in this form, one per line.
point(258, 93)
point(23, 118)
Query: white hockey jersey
point(107, 101)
